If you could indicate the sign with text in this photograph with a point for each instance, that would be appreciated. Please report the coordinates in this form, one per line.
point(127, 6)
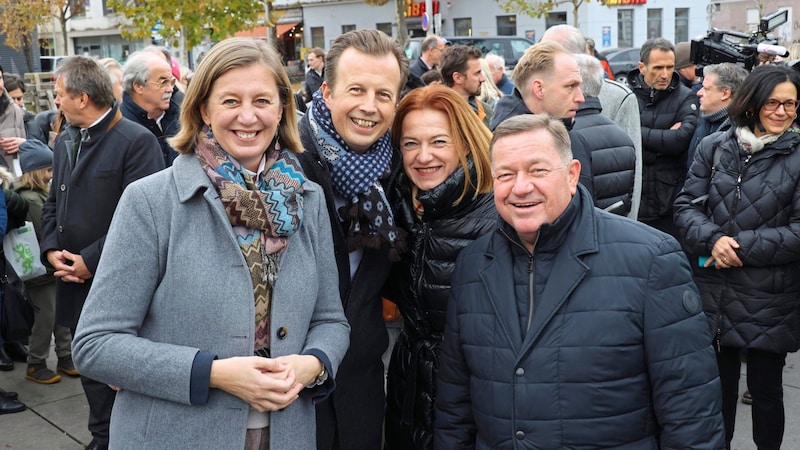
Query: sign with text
point(625, 2)
point(417, 9)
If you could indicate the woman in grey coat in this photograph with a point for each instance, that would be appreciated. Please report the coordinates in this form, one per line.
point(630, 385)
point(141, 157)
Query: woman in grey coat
point(215, 308)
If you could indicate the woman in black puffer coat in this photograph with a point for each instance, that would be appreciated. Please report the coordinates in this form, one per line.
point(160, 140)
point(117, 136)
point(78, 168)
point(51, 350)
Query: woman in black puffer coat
point(739, 217)
point(443, 200)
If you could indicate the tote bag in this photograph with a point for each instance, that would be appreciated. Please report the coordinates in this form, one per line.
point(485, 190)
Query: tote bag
point(22, 252)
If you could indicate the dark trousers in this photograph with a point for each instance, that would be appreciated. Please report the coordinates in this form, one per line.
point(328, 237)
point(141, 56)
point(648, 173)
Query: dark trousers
point(101, 399)
point(765, 382)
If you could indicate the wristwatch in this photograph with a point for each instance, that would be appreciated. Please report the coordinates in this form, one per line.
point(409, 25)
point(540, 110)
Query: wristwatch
point(321, 378)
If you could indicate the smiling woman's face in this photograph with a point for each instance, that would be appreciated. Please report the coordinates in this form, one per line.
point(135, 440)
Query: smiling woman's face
point(428, 149)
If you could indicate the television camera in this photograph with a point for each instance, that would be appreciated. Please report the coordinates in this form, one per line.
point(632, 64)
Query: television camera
point(720, 46)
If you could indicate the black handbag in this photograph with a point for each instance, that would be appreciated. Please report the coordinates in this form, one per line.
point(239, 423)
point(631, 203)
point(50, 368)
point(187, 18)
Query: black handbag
point(16, 319)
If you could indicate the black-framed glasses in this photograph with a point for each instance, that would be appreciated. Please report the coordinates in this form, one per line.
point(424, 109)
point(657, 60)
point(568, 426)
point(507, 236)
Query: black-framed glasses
point(788, 105)
point(164, 82)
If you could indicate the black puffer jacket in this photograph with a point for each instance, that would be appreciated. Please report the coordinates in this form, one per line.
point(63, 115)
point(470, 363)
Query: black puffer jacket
point(756, 200)
point(663, 150)
point(613, 157)
point(420, 284)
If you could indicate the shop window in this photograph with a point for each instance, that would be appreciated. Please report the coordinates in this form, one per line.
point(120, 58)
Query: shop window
point(555, 18)
point(681, 24)
point(653, 23)
point(625, 28)
point(318, 37)
point(386, 27)
point(462, 26)
point(506, 25)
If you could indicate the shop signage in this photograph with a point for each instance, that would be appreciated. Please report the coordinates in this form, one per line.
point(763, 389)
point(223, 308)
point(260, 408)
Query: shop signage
point(417, 9)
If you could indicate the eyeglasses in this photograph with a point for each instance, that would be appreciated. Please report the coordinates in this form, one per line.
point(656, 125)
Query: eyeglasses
point(164, 82)
point(788, 105)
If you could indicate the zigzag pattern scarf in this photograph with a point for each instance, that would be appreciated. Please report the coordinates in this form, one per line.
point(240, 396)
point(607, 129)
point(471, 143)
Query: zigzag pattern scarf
point(356, 177)
point(263, 213)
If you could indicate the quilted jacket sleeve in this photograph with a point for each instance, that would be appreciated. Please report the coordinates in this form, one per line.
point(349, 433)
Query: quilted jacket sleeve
point(454, 423)
point(680, 359)
point(697, 231)
point(666, 140)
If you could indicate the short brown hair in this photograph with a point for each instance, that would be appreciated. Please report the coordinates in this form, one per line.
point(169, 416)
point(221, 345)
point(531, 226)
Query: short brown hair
point(317, 52)
point(532, 122)
point(370, 42)
point(455, 59)
point(234, 53)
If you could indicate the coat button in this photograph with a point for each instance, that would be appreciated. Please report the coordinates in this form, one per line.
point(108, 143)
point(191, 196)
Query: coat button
point(60, 229)
point(63, 187)
point(520, 371)
point(282, 331)
point(520, 435)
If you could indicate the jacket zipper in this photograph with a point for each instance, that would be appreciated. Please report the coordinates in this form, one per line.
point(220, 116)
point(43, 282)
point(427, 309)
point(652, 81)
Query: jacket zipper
point(531, 290)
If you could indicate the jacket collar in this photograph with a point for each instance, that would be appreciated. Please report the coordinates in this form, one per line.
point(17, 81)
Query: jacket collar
point(570, 237)
point(591, 105)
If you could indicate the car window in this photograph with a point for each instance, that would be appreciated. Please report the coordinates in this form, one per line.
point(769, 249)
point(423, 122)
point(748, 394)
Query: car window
point(518, 47)
point(633, 54)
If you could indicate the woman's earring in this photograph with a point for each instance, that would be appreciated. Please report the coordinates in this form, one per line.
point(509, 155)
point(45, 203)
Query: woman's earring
point(275, 143)
point(748, 114)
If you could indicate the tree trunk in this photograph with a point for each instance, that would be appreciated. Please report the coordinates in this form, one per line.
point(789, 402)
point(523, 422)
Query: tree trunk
point(399, 14)
point(65, 49)
point(26, 48)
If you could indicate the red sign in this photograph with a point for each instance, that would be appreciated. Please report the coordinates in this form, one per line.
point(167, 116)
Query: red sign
point(417, 9)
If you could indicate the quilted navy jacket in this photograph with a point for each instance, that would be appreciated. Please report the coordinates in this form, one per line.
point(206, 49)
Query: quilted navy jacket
point(618, 353)
point(756, 200)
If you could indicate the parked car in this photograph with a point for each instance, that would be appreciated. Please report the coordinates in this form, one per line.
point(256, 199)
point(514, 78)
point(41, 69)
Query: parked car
point(510, 48)
point(622, 61)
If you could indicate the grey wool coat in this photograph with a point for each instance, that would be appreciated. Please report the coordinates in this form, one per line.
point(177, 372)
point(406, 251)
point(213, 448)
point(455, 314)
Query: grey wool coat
point(172, 282)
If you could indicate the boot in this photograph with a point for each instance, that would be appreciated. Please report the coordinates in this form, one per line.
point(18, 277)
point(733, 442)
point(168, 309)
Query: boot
point(6, 364)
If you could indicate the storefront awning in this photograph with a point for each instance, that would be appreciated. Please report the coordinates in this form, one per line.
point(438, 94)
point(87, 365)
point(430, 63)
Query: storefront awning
point(282, 28)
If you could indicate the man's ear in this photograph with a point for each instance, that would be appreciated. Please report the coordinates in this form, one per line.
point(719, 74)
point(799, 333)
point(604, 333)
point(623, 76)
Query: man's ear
point(726, 93)
point(574, 175)
point(642, 67)
point(537, 88)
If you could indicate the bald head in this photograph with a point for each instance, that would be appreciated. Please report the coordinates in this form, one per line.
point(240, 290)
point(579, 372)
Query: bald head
point(569, 37)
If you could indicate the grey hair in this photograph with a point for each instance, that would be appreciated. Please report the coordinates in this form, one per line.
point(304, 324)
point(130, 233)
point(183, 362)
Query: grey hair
point(111, 64)
point(649, 45)
point(493, 59)
point(729, 75)
point(568, 36)
point(591, 74)
point(532, 122)
point(84, 74)
point(137, 69)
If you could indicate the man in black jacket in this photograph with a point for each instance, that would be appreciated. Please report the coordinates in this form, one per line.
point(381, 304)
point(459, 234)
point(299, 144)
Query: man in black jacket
point(569, 327)
point(669, 116)
point(94, 159)
point(148, 85)
point(430, 55)
point(611, 149)
point(348, 151)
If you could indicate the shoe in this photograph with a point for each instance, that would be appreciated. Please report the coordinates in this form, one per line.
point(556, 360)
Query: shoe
point(95, 445)
point(6, 364)
point(9, 395)
point(39, 373)
point(747, 399)
point(8, 406)
point(66, 366)
point(16, 351)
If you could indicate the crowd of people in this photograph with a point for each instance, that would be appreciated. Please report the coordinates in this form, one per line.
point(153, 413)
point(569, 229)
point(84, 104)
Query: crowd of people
point(578, 263)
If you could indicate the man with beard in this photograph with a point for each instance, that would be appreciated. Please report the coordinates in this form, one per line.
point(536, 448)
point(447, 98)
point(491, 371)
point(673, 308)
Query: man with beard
point(461, 70)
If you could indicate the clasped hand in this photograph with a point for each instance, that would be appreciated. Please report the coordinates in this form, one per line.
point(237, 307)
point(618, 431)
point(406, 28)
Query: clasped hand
point(69, 266)
point(266, 384)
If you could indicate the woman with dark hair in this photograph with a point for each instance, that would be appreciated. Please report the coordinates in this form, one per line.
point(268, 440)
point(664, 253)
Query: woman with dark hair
point(739, 215)
point(216, 308)
point(443, 201)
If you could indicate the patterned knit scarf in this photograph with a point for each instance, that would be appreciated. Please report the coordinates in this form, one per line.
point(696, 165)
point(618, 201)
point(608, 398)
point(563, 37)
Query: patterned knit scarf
point(263, 213)
point(356, 177)
point(751, 143)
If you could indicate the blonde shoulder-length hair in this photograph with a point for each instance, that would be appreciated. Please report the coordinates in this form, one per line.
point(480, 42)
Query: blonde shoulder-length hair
point(230, 54)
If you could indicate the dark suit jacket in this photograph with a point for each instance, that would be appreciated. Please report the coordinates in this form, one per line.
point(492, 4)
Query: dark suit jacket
point(82, 200)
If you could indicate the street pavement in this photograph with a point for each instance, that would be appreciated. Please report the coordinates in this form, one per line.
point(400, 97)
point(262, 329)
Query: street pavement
point(56, 415)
